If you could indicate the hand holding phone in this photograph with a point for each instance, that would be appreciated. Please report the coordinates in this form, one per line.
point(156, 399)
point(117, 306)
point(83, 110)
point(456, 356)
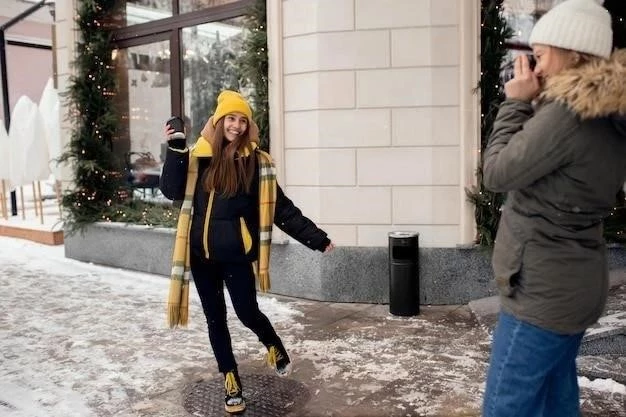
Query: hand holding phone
point(524, 85)
point(531, 61)
point(175, 128)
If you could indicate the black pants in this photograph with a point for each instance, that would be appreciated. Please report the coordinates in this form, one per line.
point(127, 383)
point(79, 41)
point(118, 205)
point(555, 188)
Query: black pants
point(209, 278)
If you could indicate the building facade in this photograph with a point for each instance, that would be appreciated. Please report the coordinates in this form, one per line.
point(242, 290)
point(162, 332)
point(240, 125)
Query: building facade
point(374, 118)
point(374, 122)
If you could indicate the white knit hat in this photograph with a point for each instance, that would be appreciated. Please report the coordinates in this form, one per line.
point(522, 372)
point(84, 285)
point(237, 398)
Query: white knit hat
point(577, 25)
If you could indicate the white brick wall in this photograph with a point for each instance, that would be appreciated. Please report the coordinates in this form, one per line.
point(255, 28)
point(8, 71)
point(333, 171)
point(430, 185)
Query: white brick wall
point(337, 51)
point(430, 236)
point(431, 53)
point(371, 104)
point(404, 87)
point(355, 205)
point(377, 14)
point(408, 166)
point(320, 90)
point(315, 16)
point(438, 205)
point(325, 167)
point(435, 127)
point(353, 128)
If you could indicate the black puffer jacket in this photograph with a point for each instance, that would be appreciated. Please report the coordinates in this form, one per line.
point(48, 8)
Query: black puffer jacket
point(231, 232)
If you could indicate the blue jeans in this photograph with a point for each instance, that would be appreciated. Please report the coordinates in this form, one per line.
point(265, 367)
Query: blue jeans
point(532, 372)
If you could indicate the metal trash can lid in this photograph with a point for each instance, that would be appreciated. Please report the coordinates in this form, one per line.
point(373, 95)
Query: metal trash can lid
point(402, 234)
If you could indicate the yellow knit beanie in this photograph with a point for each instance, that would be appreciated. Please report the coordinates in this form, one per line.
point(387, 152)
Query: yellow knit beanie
point(230, 102)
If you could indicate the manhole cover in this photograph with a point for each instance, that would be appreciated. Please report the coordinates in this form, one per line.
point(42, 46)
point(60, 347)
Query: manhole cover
point(265, 395)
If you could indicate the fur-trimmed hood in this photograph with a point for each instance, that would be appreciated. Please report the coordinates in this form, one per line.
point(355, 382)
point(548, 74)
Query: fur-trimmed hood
point(597, 89)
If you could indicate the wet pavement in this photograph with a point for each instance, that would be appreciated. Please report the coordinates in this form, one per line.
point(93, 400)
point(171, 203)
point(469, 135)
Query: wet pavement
point(83, 340)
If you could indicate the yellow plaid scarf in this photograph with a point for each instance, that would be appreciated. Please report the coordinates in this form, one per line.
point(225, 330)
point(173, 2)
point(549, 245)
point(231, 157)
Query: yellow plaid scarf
point(178, 298)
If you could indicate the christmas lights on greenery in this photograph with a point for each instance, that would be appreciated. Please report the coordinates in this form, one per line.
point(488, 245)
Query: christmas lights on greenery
point(100, 192)
point(494, 33)
point(254, 67)
point(97, 179)
point(615, 224)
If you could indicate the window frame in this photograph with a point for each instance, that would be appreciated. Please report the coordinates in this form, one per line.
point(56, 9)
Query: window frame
point(171, 28)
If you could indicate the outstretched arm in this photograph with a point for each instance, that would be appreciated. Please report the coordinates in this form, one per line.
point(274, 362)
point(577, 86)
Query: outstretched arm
point(290, 220)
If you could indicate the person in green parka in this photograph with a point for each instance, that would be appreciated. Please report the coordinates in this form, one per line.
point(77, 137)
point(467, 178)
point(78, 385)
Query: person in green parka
point(558, 148)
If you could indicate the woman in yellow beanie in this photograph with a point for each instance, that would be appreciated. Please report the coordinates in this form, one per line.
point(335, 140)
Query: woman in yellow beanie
point(558, 148)
point(230, 202)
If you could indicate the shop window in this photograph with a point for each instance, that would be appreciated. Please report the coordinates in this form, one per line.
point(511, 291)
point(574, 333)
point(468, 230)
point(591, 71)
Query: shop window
point(135, 12)
point(186, 6)
point(171, 64)
point(143, 103)
point(210, 64)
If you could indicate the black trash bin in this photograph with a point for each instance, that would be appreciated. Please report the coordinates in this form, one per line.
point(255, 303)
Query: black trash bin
point(404, 273)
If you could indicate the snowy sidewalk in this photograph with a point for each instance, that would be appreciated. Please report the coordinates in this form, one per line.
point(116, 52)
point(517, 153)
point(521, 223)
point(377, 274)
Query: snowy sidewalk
point(83, 340)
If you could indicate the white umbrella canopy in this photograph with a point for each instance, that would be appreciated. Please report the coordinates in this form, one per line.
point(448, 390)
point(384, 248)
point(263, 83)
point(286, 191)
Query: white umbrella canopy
point(49, 105)
point(5, 172)
point(28, 147)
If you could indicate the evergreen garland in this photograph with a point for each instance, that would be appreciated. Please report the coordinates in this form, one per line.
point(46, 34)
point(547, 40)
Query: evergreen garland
point(97, 179)
point(615, 224)
point(617, 8)
point(494, 33)
point(254, 68)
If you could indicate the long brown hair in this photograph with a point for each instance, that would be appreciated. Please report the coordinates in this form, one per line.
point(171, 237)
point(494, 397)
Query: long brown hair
point(230, 171)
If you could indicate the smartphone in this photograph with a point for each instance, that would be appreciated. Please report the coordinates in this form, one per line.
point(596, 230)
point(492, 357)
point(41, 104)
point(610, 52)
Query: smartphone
point(531, 61)
point(176, 123)
point(508, 71)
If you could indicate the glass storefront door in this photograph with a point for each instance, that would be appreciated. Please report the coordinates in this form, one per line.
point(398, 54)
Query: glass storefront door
point(143, 104)
point(211, 52)
point(172, 58)
point(194, 5)
point(135, 12)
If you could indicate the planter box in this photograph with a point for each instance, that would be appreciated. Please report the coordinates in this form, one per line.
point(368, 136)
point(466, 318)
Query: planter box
point(47, 237)
point(123, 245)
point(348, 274)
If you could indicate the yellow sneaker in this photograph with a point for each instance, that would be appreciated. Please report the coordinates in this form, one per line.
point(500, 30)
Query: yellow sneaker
point(233, 398)
point(278, 360)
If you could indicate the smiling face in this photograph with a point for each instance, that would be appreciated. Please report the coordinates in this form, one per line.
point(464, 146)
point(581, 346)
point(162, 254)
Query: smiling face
point(235, 125)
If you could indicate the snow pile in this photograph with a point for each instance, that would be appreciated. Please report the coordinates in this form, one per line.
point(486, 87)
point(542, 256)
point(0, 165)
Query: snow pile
point(606, 385)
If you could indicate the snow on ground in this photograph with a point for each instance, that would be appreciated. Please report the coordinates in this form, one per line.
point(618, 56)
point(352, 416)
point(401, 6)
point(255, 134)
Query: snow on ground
point(83, 340)
point(77, 337)
point(608, 323)
point(606, 385)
